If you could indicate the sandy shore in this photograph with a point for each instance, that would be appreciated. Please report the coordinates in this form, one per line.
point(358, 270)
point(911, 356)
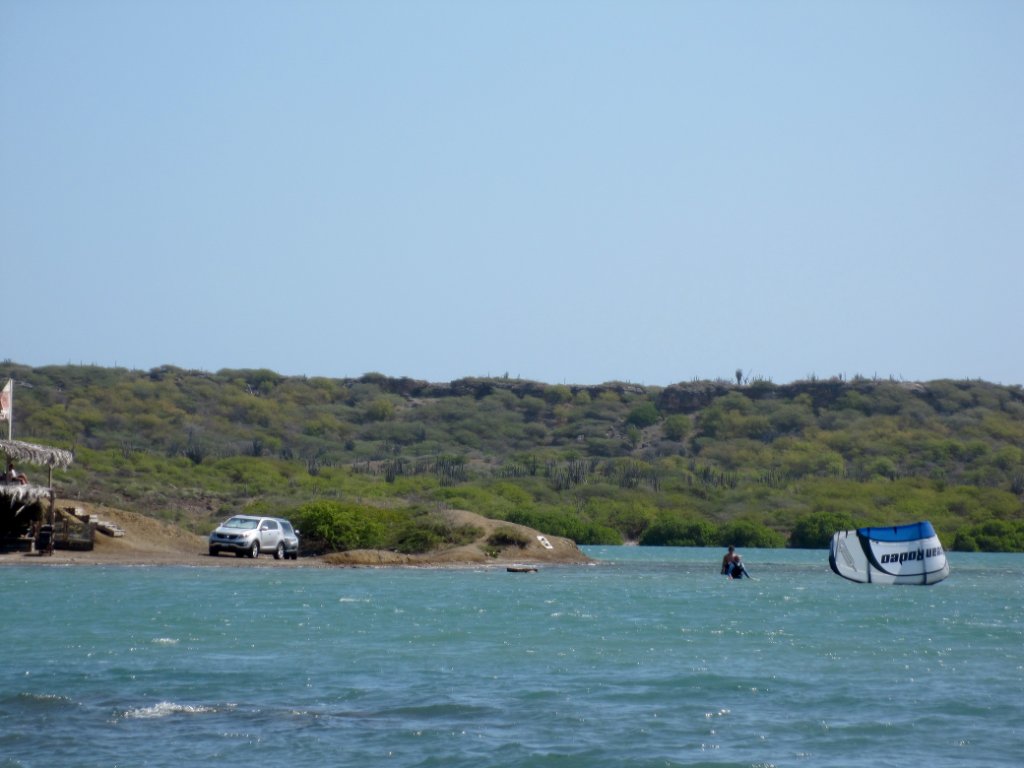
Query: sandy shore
point(148, 541)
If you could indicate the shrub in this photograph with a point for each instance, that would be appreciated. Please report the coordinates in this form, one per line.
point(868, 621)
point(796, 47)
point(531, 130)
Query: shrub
point(417, 539)
point(508, 537)
point(335, 526)
point(558, 393)
point(380, 409)
point(644, 415)
point(678, 532)
point(567, 525)
point(677, 426)
point(991, 536)
point(814, 531)
point(425, 533)
point(748, 533)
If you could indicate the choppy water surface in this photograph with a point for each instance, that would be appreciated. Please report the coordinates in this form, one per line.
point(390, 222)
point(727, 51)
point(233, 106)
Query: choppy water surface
point(648, 659)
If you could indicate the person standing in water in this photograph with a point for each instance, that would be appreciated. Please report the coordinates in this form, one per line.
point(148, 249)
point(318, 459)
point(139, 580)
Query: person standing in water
point(732, 564)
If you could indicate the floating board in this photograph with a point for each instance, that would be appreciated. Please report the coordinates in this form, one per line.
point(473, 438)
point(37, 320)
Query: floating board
point(900, 554)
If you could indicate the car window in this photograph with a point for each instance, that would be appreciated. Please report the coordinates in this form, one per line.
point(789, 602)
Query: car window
point(242, 523)
point(286, 527)
point(270, 525)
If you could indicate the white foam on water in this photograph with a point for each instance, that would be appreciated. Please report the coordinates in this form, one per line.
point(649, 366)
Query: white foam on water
point(165, 709)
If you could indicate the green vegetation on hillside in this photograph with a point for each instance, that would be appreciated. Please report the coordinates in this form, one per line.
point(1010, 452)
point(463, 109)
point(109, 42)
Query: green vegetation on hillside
point(702, 463)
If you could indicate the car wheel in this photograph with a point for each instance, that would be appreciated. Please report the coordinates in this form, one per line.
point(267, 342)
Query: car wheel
point(254, 550)
point(295, 555)
point(279, 552)
point(214, 551)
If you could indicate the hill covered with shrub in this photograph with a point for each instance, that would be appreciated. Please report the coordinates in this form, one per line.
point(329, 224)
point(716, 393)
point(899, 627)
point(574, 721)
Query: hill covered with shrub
point(696, 463)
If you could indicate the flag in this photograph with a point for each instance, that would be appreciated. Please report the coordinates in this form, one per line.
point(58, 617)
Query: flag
point(5, 401)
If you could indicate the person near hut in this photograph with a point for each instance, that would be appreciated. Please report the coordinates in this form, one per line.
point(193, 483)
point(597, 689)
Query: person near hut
point(14, 476)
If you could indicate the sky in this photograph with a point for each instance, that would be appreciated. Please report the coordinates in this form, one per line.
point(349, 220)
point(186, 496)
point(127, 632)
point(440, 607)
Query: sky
point(568, 191)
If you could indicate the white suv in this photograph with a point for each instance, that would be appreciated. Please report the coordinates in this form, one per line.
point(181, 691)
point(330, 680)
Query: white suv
point(250, 535)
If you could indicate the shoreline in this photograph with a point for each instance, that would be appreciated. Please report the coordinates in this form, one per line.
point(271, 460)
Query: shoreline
point(151, 542)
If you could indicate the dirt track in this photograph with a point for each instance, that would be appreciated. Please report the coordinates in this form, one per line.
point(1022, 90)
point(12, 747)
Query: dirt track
point(147, 541)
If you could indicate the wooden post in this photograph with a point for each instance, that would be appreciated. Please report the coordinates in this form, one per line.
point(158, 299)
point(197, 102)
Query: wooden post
point(53, 521)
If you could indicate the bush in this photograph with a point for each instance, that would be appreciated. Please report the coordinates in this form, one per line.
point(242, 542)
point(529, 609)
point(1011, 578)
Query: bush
point(748, 533)
point(417, 539)
point(567, 525)
point(677, 426)
point(676, 532)
point(991, 536)
point(814, 531)
point(558, 393)
point(335, 526)
point(644, 415)
point(425, 534)
point(380, 410)
point(508, 537)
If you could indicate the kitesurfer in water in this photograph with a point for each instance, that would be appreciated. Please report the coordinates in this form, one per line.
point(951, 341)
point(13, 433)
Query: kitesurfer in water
point(732, 564)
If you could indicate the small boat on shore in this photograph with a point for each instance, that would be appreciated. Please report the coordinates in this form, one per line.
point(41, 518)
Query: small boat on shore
point(898, 554)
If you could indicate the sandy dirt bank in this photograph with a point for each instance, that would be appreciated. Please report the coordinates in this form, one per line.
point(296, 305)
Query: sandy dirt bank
point(148, 541)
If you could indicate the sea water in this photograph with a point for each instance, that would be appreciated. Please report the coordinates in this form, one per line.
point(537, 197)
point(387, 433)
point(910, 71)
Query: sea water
point(648, 658)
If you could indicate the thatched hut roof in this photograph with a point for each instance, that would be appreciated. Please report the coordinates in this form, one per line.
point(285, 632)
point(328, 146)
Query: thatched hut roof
point(36, 454)
point(25, 493)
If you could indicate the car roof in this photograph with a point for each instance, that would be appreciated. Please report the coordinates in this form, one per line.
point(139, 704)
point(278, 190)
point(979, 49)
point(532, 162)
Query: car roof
point(260, 517)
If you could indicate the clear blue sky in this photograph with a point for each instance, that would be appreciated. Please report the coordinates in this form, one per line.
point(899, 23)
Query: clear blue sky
point(567, 191)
